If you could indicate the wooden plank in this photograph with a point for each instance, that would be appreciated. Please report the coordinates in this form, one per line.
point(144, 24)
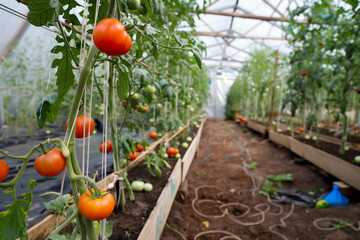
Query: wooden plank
point(280, 139)
point(337, 167)
point(157, 219)
point(188, 157)
point(257, 127)
point(48, 224)
point(297, 147)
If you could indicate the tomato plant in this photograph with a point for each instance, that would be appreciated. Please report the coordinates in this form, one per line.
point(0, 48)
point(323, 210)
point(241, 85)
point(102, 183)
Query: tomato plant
point(106, 147)
point(51, 163)
point(79, 126)
point(111, 37)
point(4, 170)
point(96, 207)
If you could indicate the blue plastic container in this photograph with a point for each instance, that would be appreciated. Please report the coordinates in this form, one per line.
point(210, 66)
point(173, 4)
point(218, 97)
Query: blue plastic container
point(336, 198)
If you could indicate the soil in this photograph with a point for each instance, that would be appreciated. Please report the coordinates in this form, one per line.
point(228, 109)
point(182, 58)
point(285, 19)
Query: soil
point(332, 149)
point(129, 223)
point(218, 176)
point(350, 138)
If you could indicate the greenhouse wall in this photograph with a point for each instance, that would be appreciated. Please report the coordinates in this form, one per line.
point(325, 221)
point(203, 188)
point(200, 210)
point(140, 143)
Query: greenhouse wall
point(219, 86)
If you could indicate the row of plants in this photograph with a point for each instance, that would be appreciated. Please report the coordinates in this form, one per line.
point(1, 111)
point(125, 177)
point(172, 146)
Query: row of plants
point(147, 77)
point(318, 86)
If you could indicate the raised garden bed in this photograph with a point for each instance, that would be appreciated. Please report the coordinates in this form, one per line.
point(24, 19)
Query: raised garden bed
point(144, 218)
point(261, 128)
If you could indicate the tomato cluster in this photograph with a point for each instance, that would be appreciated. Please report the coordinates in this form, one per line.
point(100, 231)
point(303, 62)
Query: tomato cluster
point(173, 151)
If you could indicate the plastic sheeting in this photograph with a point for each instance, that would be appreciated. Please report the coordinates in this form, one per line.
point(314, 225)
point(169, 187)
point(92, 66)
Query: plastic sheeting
point(219, 86)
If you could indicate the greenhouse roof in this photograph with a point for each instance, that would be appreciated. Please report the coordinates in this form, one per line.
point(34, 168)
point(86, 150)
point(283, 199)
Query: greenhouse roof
point(232, 28)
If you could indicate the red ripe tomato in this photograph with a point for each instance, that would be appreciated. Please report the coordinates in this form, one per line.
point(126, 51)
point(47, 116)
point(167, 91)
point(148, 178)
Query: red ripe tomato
point(132, 156)
point(303, 91)
point(176, 151)
point(302, 130)
point(277, 57)
point(98, 208)
point(153, 135)
point(243, 119)
point(321, 44)
point(358, 91)
point(79, 126)
point(4, 170)
point(171, 151)
point(111, 37)
point(108, 147)
point(51, 163)
point(326, 125)
point(139, 148)
point(304, 74)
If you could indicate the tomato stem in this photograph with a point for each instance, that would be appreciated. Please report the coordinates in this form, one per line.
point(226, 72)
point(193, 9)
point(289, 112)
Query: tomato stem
point(43, 148)
point(64, 224)
point(66, 41)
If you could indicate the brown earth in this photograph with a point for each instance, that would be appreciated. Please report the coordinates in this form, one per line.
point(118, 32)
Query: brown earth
point(221, 180)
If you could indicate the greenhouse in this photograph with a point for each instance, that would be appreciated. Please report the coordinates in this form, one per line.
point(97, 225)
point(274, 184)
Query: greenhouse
point(184, 119)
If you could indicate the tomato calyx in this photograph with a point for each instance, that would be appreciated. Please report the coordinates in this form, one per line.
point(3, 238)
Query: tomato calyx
point(94, 194)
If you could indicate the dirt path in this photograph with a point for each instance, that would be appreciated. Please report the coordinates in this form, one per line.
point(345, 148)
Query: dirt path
point(225, 192)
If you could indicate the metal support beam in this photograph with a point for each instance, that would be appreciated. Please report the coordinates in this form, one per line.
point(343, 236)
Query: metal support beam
point(249, 16)
point(211, 34)
point(274, 8)
point(223, 60)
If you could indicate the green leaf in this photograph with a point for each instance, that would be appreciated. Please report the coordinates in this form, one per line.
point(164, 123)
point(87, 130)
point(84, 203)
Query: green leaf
point(41, 12)
point(13, 222)
point(65, 76)
point(70, 17)
point(197, 57)
point(48, 109)
point(101, 13)
point(122, 86)
point(149, 7)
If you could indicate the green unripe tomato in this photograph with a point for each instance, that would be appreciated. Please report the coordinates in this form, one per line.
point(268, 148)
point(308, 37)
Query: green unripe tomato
point(137, 185)
point(346, 148)
point(133, 4)
point(321, 204)
point(142, 9)
point(307, 137)
point(151, 120)
point(48, 131)
point(288, 129)
point(189, 139)
point(159, 105)
point(185, 145)
point(149, 89)
point(357, 159)
point(314, 138)
point(178, 155)
point(135, 96)
point(148, 187)
point(279, 130)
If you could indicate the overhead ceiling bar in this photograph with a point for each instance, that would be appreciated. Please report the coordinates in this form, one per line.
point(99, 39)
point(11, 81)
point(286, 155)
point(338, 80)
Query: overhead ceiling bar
point(223, 60)
point(275, 8)
point(249, 16)
point(211, 34)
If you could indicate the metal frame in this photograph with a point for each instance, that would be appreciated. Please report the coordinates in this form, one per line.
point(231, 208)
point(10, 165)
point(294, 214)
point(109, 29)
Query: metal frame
point(226, 37)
